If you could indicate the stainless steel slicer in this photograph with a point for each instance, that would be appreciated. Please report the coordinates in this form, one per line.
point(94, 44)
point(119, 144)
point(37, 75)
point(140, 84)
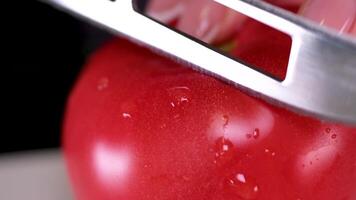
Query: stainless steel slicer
point(321, 75)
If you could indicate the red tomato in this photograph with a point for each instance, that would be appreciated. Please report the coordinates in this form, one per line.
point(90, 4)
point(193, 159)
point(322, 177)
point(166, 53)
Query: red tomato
point(141, 127)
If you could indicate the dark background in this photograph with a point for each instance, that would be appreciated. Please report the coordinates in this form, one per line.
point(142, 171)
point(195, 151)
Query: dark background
point(43, 53)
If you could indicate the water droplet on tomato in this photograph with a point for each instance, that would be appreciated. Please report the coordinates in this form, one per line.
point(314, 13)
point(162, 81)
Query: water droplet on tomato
point(103, 83)
point(222, 146)
point(162, 126)
point(179, 96)
point(256, 133)
point(327, 130)
point(333, 136)
point(272, 153)
point(126, 115)
point(241, 178)
point(223, 151)
point(255, 189)
point(225, 147)
point(243, 186)
point(148, 165)
point(183, 99)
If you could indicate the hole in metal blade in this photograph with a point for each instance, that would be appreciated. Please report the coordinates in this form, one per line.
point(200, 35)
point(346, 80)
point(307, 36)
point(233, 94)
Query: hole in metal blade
point(237, 36)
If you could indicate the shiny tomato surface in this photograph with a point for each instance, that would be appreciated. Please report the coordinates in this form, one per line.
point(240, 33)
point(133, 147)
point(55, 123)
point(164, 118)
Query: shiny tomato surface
point(139, 126)
point(142, 127)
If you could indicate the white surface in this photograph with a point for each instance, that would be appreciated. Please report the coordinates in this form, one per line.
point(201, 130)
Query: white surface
point(38, 175)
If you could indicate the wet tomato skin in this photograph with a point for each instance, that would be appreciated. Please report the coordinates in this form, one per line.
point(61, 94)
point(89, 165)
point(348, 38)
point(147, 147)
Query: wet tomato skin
point(139, 126)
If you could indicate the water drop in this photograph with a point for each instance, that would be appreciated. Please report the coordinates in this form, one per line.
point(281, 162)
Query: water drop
point(270, 152)
point(222, 146)
point(147, 165)
point(333, 136)
point(255, 189)
point(223, 151)
point(327, 130)
point(184, 99)
point(241, 178)
point(162, 126)
point(179, 96)
point(126, 115)
point(256, 133)
point(103, 83)
point(243, 186)
point(225, 147)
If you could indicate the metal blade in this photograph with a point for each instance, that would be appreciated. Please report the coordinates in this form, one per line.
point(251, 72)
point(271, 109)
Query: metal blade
point(321, 76)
